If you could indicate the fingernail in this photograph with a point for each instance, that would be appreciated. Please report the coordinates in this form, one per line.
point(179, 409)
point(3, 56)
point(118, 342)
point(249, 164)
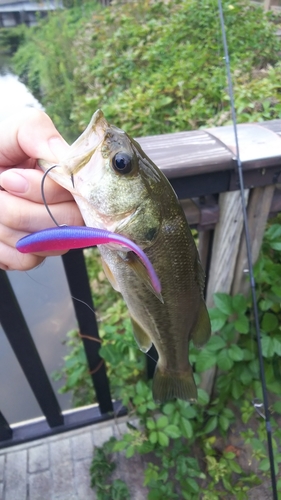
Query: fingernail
point(13, 182)
point(58, 147)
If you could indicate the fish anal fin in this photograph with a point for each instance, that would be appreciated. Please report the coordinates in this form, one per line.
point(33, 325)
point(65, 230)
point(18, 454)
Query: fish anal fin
point(109, 275)
point(140, 270)
point(142, 339)
point(168, 385)
point(202, 330)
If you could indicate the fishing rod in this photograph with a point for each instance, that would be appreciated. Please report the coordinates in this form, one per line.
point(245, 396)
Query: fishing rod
point(249, 257)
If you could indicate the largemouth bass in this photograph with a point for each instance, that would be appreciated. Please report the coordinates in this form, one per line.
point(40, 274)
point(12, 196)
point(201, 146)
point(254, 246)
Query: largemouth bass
point(118, 188)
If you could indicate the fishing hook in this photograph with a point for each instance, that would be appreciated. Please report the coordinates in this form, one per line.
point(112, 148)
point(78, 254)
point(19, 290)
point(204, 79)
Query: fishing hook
point(44, 198)
point(249, 258)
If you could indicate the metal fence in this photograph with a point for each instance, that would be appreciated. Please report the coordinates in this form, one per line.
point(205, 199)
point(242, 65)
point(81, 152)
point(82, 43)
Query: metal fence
point(201, 167)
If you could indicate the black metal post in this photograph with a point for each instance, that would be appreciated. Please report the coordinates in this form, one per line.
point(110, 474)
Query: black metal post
point(20, 338)
point(78, 281)
point(5, 430)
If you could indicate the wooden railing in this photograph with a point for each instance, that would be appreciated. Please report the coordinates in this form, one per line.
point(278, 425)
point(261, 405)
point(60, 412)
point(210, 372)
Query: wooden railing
point(201, 167)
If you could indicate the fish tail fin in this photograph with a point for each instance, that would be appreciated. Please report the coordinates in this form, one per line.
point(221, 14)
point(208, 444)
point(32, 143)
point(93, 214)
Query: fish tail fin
point(168, 385)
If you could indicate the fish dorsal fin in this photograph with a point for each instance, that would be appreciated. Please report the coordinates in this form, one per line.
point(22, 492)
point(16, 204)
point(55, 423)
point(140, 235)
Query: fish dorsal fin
point(141, 336)
point(202, 330)
point(140, 270)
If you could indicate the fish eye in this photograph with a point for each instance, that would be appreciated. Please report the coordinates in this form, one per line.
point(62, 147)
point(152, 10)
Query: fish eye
point(122, 163)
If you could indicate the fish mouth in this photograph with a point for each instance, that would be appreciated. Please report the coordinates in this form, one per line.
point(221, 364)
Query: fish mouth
point(79, 154)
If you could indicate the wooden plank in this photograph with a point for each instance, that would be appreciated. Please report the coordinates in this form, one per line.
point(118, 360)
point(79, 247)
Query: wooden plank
point(267, 5)
point(226, 244)
point(223, 260)
point(187, 153)
point(259, 206)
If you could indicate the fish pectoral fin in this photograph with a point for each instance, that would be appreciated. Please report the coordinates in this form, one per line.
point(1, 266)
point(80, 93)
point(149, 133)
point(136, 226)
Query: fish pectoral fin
point(202, 330)
point(109, 275)
point(140, 270)
point(168, 385)
point(141, 336)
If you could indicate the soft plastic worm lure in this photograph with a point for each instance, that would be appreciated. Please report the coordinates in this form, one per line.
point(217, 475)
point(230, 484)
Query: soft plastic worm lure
point(67, 237)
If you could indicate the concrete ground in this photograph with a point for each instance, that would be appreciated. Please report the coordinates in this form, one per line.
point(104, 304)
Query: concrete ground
point(57, 468)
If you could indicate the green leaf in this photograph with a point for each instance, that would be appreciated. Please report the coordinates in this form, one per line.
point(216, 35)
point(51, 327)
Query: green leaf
point(246, 376)
point(173, 431)
point(150, 424)
point(218, 319)
point(141, 388)
point(205, 360)
point(268, 346)
point(169, 408)
point(276, 290)
point(275, 245)
point(224, 422)
point(224, 361)
point(239, 303)
point(269, 322)
point(277, 406)
point(241, 324)
point(211, 425)
point(265, 304)
point(153, 438)
point(235, 467)
point(186, 428)
point(203, 397)
point(224, 303)
point(192, 484)
point(235, 352)
point(162, 422)
point(108, 353)
point(227, 412)
point(277, 346)
point(130, 451)
point(120, 445)
point(163, 439)
point(237, 389)
point(264, 464)
point(216, 343)
point(229, 455)
point(274, 232)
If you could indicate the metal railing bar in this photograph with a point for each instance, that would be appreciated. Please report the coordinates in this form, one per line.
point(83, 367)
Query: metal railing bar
point(78, 281)
point(73, 419)
point(5, 430)
point(19, 336)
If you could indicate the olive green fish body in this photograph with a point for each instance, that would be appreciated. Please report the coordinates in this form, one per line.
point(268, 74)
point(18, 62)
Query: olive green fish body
point(170, 324)
point(117, 187)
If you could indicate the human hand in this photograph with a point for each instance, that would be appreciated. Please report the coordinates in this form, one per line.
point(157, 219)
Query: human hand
point(23, 138)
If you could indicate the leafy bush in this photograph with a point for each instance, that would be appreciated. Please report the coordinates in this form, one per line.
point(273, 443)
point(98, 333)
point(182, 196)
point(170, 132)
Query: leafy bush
point(153, 67)
point(159, 76)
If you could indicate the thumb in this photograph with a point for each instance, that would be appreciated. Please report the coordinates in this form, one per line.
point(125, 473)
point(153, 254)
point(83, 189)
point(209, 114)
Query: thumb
point(30, 134)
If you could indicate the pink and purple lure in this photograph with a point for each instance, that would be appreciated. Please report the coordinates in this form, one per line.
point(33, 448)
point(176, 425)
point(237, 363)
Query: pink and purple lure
point(67, 237)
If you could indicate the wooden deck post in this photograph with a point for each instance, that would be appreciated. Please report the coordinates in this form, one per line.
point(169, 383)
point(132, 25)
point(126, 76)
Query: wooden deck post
point(267, 5)
point(223, 260)
point(258, 210)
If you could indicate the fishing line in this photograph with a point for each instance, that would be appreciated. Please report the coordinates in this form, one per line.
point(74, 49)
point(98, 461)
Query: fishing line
point(249, 257)
point(43, 194)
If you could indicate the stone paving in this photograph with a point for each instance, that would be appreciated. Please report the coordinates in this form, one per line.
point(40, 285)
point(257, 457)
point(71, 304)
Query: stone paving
point(54, 468)
point(57, 468)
